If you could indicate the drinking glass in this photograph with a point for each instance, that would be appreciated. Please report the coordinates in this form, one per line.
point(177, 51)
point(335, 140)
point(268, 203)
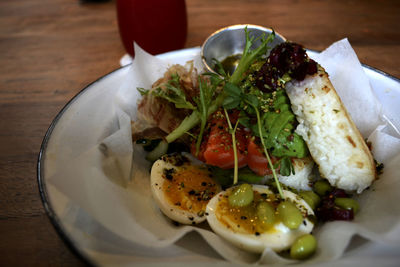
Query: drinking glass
point(155, 25)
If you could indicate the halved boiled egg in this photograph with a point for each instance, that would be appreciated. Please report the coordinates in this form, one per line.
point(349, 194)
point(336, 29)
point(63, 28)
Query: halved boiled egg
point(243, 228)
point(182, 188)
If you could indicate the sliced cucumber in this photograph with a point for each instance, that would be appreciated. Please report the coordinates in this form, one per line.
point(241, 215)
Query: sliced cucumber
point(158, 151)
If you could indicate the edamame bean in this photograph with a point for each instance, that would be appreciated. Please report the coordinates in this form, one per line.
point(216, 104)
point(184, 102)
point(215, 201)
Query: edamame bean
point(266, 215)
point(289, 214)
point(347, 203)
point(241, 196)
point(311, 198)
point(303, 247)
point(322, 187)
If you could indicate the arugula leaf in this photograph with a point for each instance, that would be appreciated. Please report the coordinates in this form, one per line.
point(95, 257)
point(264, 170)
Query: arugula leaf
point(231, 103)
point(252, 100)
point(234, 96)
point(174, 93)
point(244, 120)
point(232, 90)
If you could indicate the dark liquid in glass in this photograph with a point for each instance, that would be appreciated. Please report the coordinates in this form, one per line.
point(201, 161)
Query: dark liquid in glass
point(155, 25)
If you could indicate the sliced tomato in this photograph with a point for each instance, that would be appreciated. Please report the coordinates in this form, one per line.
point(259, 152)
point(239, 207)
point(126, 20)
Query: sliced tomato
point(256, 159)
point(217, 149)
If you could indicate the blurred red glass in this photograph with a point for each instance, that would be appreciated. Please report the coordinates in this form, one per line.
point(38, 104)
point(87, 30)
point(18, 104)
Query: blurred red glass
point(156, 25)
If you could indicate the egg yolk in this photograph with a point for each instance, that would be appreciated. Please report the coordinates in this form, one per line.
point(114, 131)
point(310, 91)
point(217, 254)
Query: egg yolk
point(189, 187)
point(244, 219)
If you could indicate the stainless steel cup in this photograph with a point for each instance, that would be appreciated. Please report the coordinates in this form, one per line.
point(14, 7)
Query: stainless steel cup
point(231, 40)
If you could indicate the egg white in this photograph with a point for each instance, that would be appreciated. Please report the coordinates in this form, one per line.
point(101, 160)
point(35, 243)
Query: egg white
point(278, 239)
point(174, 212)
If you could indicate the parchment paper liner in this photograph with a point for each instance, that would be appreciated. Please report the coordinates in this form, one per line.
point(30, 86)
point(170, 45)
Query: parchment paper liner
point(108, 179)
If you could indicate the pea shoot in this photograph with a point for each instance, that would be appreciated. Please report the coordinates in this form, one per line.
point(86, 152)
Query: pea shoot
point(248, 57)
point(235, 156)
point(204, 100)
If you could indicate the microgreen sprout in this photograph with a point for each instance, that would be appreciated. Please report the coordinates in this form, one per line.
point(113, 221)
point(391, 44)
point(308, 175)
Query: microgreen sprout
point(203, 101)
point(248, 57)
point(232, 131)
point(237, 98)
point(278, 185)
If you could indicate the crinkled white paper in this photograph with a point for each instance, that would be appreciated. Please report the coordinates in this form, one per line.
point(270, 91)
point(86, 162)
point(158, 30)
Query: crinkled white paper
point(107, 178)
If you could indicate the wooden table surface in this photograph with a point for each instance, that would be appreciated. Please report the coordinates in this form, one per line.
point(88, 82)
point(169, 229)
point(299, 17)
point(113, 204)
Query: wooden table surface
point(51, 49)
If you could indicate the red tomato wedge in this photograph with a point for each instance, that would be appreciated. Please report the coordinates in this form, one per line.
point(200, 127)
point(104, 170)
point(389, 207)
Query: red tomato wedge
point(256, 160)
point(217, 149)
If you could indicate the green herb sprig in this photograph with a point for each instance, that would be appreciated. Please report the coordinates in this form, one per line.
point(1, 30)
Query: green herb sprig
point(206, 95)
point(248, 57)
point(238, 98)
point(232, 131)
point(174, 93)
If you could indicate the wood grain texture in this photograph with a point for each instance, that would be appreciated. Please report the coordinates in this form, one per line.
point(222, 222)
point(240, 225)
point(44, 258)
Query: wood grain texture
point(50, 50)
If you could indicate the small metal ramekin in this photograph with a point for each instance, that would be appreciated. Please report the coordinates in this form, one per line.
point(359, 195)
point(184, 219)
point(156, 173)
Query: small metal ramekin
point(231, 40)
